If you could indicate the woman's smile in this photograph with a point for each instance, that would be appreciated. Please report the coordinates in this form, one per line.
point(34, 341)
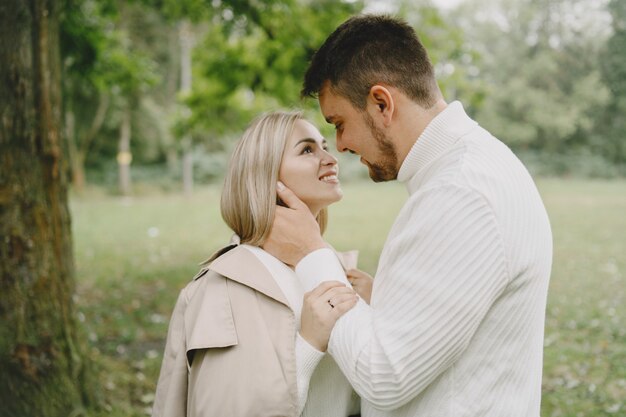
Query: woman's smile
point(330, 177)
point(306, 157)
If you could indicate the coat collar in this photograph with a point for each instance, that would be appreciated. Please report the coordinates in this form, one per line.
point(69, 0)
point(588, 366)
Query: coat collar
point(241, 265)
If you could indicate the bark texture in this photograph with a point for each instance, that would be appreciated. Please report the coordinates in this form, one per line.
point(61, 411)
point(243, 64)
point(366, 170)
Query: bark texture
point(41, 368)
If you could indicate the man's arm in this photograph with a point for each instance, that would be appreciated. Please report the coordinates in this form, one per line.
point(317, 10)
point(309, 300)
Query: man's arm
point(439, 273)
point(295, 232)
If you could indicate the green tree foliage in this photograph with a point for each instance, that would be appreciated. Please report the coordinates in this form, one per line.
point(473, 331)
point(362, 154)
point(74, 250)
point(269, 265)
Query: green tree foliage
point(539, 70)
point(455, 61)
point(253, 58)
point(543, 75)
point(613, 122)
point(105, 72)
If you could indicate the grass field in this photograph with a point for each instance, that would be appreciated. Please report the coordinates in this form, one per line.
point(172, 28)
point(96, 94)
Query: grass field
point(133, 256)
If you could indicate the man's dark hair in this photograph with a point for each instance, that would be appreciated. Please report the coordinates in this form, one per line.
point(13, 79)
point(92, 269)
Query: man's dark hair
point(367, 50)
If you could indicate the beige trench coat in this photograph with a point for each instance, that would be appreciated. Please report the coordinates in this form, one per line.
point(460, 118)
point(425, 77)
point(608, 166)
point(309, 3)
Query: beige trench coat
point(230, 348)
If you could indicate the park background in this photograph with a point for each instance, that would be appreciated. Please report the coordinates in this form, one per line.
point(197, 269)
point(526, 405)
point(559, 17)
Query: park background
point(154, 93)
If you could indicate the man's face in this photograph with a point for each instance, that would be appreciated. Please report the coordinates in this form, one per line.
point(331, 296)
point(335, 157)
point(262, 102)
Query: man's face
point(356, 132)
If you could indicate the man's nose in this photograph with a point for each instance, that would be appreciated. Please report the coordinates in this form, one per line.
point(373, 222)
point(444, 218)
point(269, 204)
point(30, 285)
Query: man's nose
point(339, 143)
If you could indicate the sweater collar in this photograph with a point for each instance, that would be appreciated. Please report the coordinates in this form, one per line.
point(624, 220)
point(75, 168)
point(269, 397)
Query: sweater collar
point(440, 134)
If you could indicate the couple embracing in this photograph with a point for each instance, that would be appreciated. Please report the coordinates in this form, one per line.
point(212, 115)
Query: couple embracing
point(280, 324)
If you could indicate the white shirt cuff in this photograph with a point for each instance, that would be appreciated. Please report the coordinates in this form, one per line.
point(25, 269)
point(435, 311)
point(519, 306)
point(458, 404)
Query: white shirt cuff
point(319, 266)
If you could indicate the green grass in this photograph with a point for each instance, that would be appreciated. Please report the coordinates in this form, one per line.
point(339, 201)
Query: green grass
point(134, 255)
point(585, 345)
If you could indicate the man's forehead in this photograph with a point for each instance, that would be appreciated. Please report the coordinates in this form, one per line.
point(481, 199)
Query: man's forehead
point(325, 88)
point(329, 102)
point(327, 93)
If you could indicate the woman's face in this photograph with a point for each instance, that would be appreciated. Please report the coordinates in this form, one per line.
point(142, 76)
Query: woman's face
point(308, 169)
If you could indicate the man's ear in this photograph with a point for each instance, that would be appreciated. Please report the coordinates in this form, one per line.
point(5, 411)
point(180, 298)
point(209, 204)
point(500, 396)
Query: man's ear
point(381, 100)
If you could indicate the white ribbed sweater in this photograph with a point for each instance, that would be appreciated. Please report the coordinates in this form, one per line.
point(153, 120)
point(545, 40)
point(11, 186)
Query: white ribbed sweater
point(455, 326)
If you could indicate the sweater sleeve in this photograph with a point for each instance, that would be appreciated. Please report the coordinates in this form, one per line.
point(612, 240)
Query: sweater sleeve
point(307, 359)
point(319, 266)
point(441, 269)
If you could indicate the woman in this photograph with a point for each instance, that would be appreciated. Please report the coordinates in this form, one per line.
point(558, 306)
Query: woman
point(235, 345)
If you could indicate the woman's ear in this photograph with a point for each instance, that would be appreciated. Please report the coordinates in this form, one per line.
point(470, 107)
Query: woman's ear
point(381, 100)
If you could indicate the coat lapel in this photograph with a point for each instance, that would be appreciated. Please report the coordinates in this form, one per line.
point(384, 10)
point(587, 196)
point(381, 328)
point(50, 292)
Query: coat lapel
point(241, 265)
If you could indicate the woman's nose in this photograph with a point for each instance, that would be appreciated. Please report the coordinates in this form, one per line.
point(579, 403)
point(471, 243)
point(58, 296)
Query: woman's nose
point(329, 159)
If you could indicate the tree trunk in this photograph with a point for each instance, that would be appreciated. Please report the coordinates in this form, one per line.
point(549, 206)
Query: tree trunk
point(186, 45)
point(42, 369)
point(78, 153)
point(79, 179)
point(173, 163)
point(124, 157)
point(187, 167)
point(76, 158)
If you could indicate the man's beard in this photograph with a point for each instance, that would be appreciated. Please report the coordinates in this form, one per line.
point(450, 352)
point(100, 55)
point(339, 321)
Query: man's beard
point(385, 169)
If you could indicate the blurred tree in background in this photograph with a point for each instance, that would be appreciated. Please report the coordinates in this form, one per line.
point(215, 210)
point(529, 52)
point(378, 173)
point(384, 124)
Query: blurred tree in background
point(128, 73)
point(612, 142)
point(183, 77)
point(540, 71)
point(109, 63)
point(455, 60)
point(252, 58)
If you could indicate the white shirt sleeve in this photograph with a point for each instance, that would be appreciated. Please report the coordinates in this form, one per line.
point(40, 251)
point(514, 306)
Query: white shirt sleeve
point(441, 270)
point(307, 359)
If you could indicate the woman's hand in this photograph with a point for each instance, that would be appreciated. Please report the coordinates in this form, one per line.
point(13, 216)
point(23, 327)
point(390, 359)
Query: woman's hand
point(361, 282)
point(321, 309)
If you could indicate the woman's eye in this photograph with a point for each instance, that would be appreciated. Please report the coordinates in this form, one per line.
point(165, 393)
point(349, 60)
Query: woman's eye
point(307, 149)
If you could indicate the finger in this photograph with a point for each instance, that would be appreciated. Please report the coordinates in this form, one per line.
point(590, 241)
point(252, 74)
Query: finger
point(352, 276)
point(318, 291)
point(357, 273)
point(281, 212)
point(357, 285)
point(341, 298)
point(328, 297)
point(341, 308)
point(337, 291)
point(355, 280)
point(334, 297)
point(289, 198)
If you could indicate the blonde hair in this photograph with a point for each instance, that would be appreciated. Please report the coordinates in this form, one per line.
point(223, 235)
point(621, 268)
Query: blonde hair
point(249, 195)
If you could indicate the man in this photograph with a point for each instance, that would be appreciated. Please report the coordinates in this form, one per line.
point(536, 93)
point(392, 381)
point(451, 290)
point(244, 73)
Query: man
point(455, 325)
